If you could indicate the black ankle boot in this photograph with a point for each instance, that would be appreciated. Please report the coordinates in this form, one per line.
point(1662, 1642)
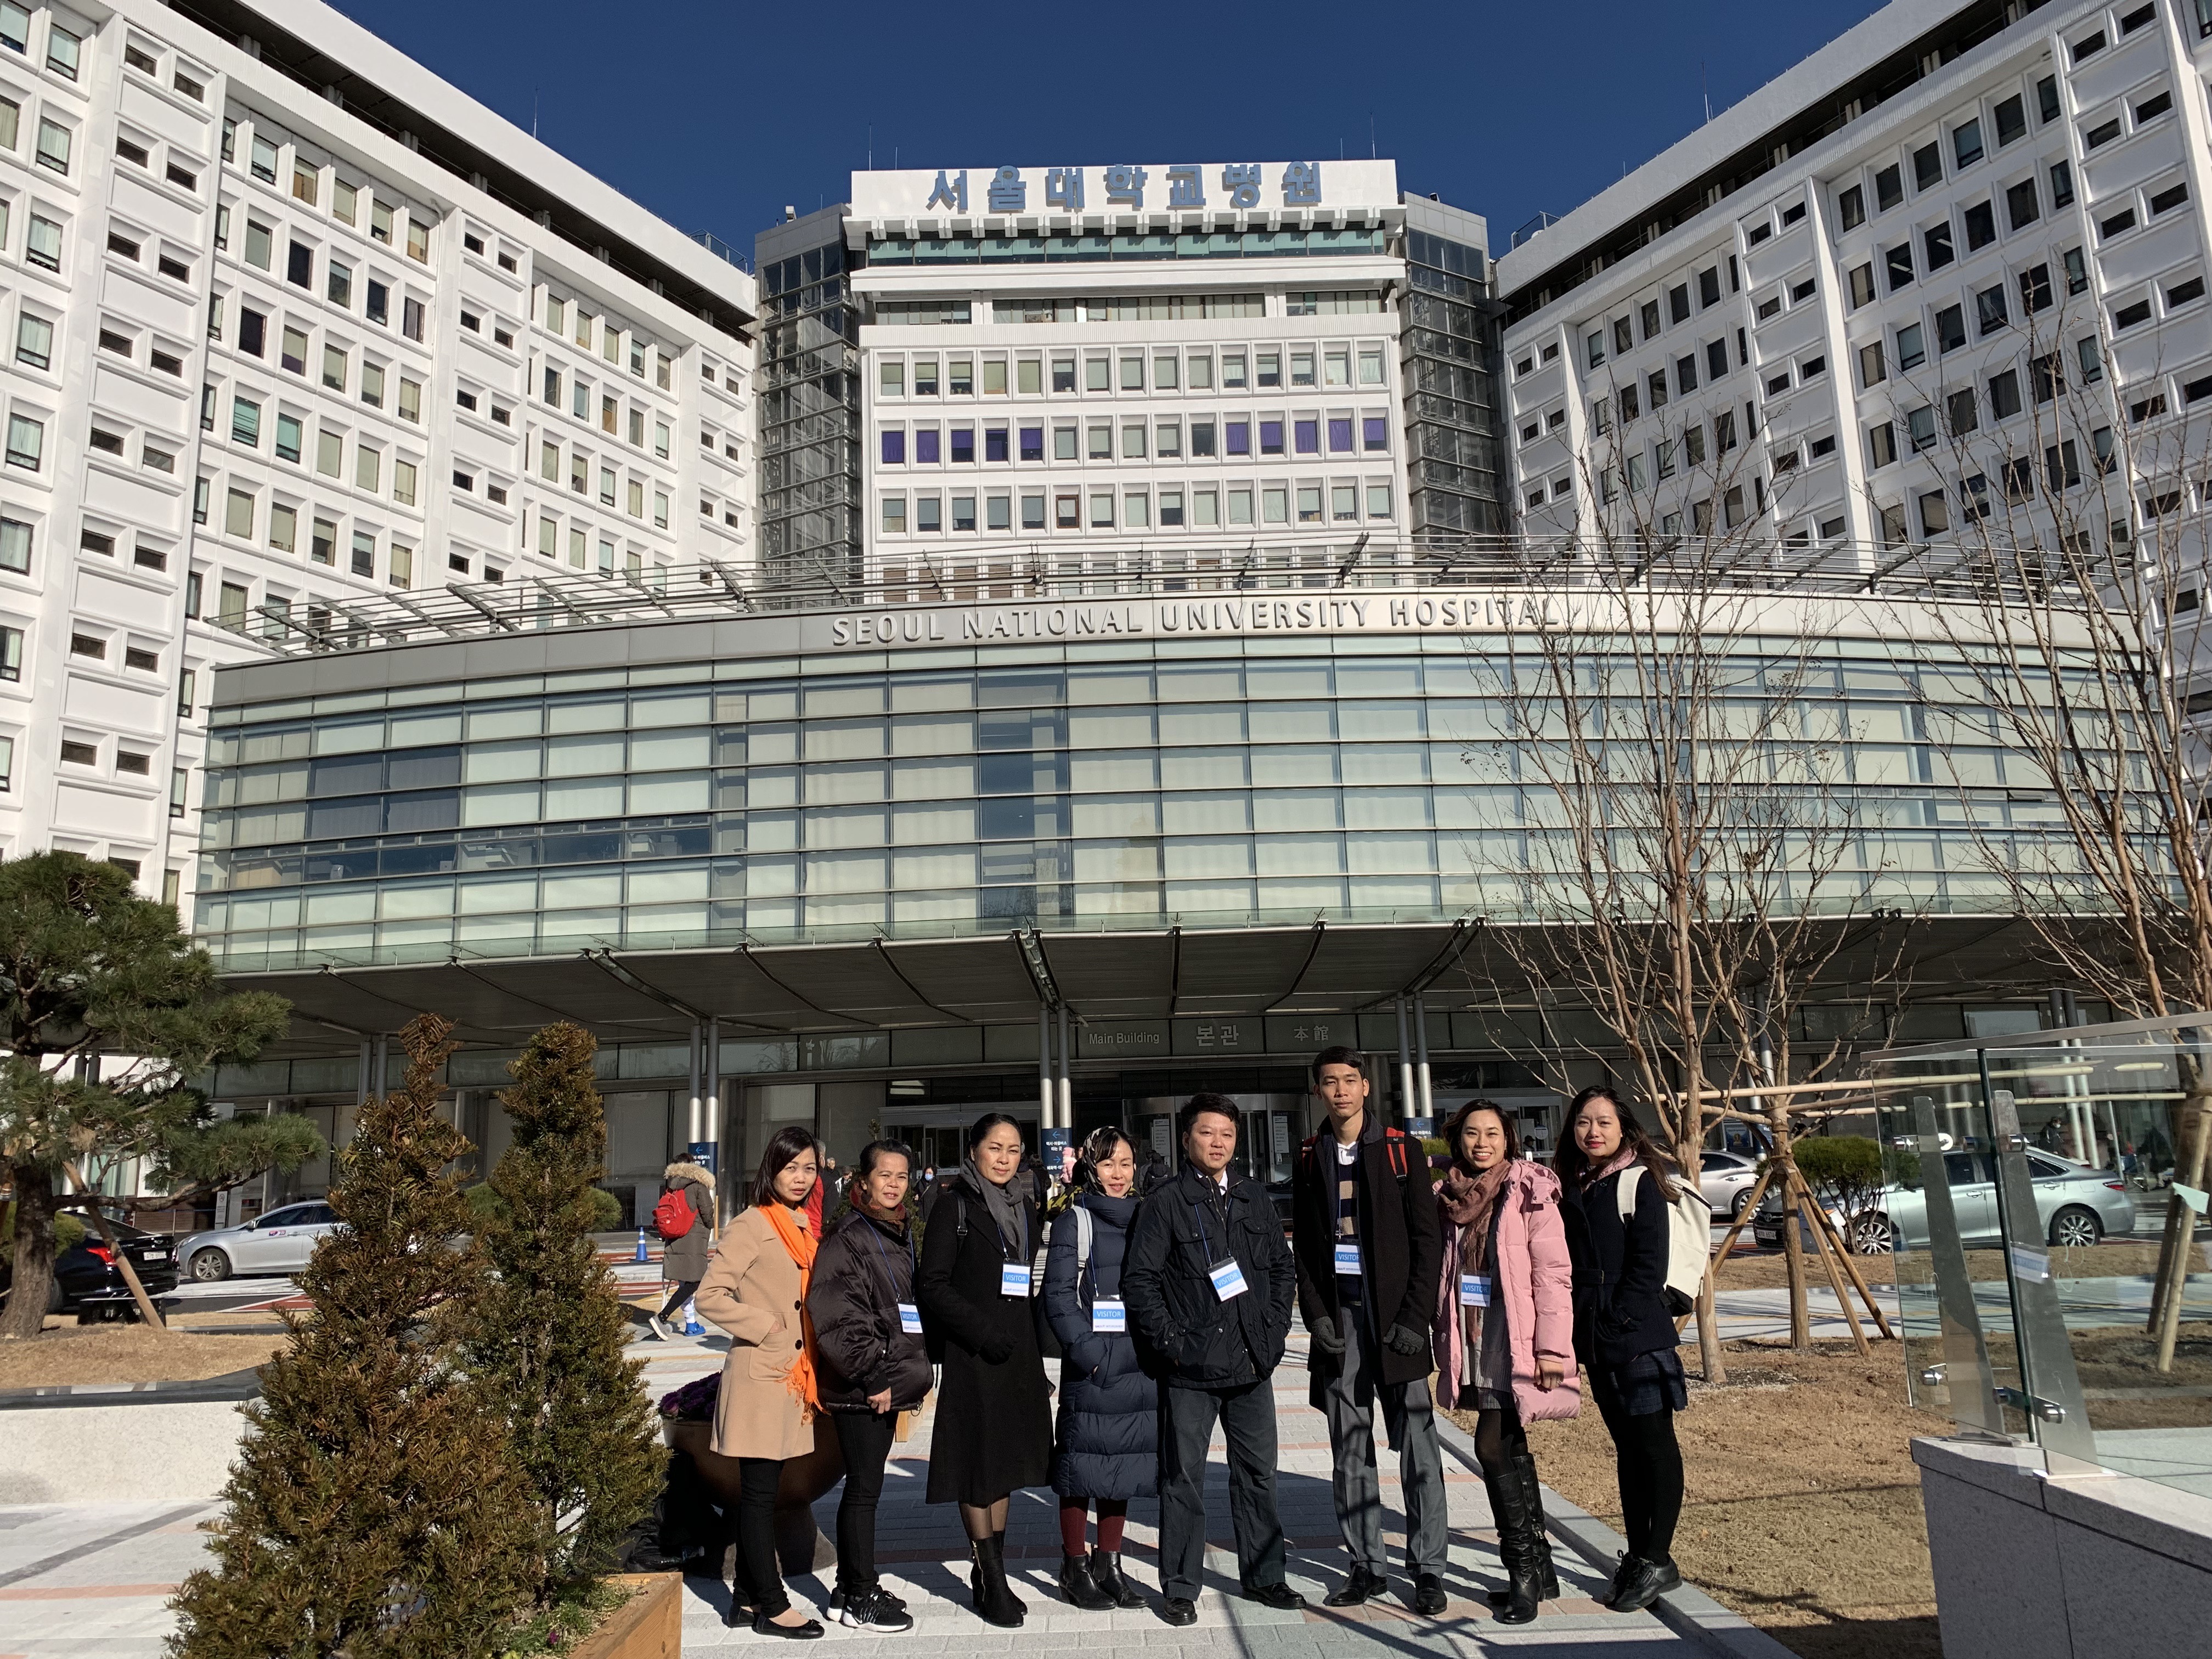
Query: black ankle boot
point(1075, 1583)
point(998, 1546)
point(1106, 1575)
point(993, 1601)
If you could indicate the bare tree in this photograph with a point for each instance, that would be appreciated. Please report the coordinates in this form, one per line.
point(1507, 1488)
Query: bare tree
point(2076, 636)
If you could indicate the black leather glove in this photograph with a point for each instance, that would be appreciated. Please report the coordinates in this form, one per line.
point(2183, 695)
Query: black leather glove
point(1405, 1340)
point(1324, 1334)
point(996, 1352)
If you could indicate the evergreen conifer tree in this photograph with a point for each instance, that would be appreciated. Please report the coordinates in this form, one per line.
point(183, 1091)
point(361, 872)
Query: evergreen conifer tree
point(547, 1330)
point(376, 1511)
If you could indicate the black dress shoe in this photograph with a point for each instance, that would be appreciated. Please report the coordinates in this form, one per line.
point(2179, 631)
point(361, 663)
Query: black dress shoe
point(1179, 1610)
point(1357, 1587)
point(1650, 1581)
point(1278, 1595)
point(765, 1626)
point(1429, 1594)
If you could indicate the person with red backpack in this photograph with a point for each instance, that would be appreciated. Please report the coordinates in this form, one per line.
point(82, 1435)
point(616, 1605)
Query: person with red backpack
point(1364, 1228)
point(685, 1218)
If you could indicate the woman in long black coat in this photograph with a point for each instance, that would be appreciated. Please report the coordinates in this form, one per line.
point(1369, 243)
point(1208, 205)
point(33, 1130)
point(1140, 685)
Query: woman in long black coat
point(1106, 1449)
point(994, 1426)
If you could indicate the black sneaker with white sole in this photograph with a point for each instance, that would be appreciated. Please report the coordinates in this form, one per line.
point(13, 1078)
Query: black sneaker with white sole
point(873, 1610)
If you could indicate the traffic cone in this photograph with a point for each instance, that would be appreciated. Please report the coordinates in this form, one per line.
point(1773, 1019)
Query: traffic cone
point(641, 1256)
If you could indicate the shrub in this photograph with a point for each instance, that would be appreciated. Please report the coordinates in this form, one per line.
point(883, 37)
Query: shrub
point(1845, 1172)
point(485, 1204)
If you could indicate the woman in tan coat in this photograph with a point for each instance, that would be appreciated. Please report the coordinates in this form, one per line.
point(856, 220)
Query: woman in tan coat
point(756, 1290)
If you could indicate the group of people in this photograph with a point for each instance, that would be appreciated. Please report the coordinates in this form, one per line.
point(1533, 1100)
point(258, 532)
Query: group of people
point(1169, 1307)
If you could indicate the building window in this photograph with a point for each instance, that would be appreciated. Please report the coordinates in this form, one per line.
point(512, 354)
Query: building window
point(54, 146)
point(27, 442)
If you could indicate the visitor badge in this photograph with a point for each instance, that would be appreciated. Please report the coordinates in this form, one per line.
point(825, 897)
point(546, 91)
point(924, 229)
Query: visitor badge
point(1474, 1290)
point(910, 1319)
point(1228, 1280)
point(1348, 1261)
point(1109, 1316)
point(1013, 1278)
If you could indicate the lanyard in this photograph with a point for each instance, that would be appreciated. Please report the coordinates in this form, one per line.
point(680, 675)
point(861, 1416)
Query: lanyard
point(912, 1263)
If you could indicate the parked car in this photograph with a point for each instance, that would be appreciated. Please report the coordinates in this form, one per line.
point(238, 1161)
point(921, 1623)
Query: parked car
point(86, 1280)
point(279, 1242)
point(1725, 1181)
point(2074, 1205)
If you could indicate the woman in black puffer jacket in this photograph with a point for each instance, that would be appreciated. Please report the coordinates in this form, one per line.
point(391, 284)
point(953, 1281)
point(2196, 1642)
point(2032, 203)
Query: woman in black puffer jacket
point(1623, 1335)
point(869, 1364)
point(1106, 1447)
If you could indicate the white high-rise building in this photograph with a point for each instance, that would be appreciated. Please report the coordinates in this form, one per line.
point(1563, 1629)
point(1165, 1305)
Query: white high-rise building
point(1199, 363)
point(1945, 279)
point(293, 327)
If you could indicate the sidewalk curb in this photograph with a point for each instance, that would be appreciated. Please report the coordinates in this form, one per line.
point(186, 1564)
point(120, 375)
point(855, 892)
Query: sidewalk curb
point(1688, 1611)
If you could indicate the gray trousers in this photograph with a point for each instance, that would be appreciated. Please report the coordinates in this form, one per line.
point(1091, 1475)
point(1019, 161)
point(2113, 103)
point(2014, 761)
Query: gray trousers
point(1347, 1402)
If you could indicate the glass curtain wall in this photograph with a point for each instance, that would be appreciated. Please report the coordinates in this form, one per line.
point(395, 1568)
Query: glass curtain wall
point(809, 402)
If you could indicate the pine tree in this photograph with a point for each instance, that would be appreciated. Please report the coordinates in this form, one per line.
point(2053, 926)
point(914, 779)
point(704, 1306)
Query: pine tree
point(547, 1330)
point(376, 1511)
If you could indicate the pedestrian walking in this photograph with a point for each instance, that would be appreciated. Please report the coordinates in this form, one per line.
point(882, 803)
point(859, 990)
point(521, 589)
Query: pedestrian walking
point(1624, 1334)
point(756, 1290)
point(993, 1428)
point(685, 1218)
point(1209, 1283)
point(1106, 1442)
point(1363, 1229)
point(873, 1365)
point(1504, 1332)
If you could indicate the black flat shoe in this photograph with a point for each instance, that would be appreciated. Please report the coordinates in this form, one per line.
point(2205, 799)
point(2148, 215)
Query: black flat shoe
point(1278, 1595)
point(1356, 1589)
point(764, 1626)
point(1429, 1595)
point(1175, 1610)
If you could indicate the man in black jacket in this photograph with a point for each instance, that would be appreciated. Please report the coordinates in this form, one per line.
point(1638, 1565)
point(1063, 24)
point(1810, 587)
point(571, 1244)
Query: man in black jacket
point(1363, 1221)
point(1208, 1282)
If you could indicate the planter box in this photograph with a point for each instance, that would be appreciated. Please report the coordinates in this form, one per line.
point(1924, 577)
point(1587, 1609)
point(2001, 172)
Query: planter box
point(649, 1625)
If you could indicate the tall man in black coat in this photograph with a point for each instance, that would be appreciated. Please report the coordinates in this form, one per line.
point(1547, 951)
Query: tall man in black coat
point(1208, 1282)
point(1364, 1223)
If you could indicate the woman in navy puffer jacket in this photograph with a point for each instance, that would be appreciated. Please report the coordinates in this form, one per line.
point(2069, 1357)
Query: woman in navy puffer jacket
point(1106, 1448)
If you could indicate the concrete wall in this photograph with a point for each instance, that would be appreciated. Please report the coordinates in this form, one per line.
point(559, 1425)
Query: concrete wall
point(2029, 1567)
point(118, 1454)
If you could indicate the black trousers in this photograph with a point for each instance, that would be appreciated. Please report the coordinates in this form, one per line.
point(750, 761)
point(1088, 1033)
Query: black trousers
point(1246, 1416)
point(684, 1290)
point(760, 1575)
point(1649, 1460)
point(865, 1437)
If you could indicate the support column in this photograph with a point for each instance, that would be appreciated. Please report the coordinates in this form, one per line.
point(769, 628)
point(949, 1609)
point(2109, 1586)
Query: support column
point(1066, 1119)
point(1405, 1108)
point(1425, 1101)
point(712, 1127)
point(1045, 1092)
point(691, 1130)
point(363, 1091)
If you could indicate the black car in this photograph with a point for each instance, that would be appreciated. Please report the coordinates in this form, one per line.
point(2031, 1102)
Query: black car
point(87, 1281)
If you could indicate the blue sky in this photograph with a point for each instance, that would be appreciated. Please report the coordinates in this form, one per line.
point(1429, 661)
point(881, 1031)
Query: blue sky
point(715, 116)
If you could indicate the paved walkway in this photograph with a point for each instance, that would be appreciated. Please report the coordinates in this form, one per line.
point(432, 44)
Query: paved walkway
point(91, 1582)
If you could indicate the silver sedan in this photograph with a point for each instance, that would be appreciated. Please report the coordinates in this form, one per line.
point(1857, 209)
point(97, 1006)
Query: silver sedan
point(1725, 1181)
point(2074, 1205)
point(279, 1242)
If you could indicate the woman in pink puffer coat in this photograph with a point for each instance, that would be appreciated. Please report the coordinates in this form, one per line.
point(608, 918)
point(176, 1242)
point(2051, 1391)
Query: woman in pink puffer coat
point(1504, 1331)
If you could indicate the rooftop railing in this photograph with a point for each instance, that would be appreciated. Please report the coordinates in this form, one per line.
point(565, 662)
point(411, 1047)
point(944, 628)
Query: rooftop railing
point(975, 571)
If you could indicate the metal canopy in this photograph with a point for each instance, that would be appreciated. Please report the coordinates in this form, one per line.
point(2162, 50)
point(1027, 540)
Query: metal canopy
point(881, 984)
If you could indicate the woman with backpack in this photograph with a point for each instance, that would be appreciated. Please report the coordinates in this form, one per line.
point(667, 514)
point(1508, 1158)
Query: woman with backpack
point(756, 1290)
point(1504, 1331)
point(1106, 1449)
point(868, 1335)
point(685, 1218)
point(1615, 1201)
point(994, 1426)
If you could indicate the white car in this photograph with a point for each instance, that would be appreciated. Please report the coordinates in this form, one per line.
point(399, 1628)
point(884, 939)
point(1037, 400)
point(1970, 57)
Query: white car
point(1725, 1181)
point(279, 1242)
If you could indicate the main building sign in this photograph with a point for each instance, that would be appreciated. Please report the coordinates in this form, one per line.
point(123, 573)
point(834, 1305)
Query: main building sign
point(1006, 191)
point(1198, 617)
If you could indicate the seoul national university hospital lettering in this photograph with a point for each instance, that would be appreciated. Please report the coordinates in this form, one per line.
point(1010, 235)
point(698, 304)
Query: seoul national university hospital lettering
point(1195, 616)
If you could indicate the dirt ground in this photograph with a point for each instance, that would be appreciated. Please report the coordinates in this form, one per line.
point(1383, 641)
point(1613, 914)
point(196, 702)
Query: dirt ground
point(127, 1354)
point(1802, 1510)
point(1767, 1270)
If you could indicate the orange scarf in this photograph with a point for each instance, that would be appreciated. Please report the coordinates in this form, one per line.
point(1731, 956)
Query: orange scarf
point(801, 1245)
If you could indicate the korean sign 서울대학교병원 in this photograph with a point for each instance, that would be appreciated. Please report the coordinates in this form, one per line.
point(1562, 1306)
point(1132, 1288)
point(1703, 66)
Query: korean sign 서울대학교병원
point(1241, 186)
